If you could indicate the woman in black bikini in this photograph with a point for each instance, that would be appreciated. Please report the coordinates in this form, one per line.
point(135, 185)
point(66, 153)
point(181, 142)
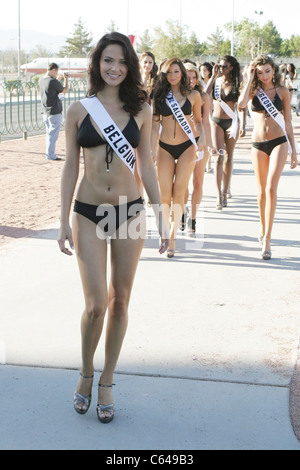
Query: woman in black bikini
point(108, 202)
point(269, 146)
point(199, 170)
point(175, 153)
point(229, 70)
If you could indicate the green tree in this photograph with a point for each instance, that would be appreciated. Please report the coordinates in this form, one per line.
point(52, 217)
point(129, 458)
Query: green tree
point(112, 27)
point(145, 42)
point(271, 39)
point(174, 41)
point(247, 34)
point(285, 48)
point(290, 47)
point(215, 42)
point(79, 45)
point(225, 47)
point(196, 48)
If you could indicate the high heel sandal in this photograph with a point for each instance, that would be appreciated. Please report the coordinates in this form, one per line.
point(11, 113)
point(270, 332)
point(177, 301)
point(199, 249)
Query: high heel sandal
point(171, 251)
point(80, 400)
point(105, 413)
point(219, 205)
point(266, 254)
point(224, 200)
point(184, 219)
point(192, 228)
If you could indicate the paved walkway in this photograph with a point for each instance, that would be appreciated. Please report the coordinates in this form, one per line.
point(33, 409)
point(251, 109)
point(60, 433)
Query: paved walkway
point(212, 343)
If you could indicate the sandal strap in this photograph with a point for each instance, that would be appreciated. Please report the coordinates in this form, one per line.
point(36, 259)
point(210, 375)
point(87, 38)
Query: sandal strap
point(86, 376)
point(106, 408)
point(78, 398)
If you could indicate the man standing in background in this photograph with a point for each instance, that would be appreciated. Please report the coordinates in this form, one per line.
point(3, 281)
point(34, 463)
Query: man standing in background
point(50, 88)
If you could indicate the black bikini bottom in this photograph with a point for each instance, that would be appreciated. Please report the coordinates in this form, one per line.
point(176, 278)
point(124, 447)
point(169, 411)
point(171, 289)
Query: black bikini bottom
point(268, 146)
point(224, 123)
point(109, 218)
point(177, 150)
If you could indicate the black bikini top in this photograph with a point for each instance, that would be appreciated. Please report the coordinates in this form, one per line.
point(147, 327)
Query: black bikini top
point(258, 107)
point(88, 136)
point(165, 110)
point(230, 97)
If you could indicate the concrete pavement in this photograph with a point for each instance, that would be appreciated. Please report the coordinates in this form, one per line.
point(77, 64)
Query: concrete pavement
point(212, 343)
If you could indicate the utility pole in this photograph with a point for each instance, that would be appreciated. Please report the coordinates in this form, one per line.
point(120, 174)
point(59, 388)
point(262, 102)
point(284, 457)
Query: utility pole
point(19, 40)
point(260, 13)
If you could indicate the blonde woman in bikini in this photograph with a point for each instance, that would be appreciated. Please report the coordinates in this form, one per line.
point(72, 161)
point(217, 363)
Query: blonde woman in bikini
point(199, 170)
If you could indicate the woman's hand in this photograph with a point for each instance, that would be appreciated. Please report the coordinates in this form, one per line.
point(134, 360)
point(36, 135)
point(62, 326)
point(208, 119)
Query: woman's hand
point(294, 161)
point(164, 245)
point(65, 233)
point(250, 72)
point(154, 159)
point(216, 70)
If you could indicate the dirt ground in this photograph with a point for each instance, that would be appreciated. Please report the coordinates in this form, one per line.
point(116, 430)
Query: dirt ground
point(30, 187)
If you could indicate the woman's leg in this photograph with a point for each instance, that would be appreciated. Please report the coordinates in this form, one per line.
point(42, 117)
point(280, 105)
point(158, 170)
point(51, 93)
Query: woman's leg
point(278, 159)
point(125, 254)
point(165, 174)
point(91, 256)
point(228, 164)
point(260, 161)
point(198, 177)
point(218, 139)
point(184, 168)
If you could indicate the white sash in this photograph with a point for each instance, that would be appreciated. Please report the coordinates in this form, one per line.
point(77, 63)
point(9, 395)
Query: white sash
point(289, 81)
point(275, 114)
point(232, 114)
point(182, 121)
point(110, 130)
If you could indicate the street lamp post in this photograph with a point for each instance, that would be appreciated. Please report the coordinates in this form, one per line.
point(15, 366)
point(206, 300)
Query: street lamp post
point(232, 29)
point(19, 40)
point(127, 17)
point(259, 13)
point(180, 21)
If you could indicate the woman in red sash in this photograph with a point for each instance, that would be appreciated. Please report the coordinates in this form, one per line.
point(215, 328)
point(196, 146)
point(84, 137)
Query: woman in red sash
point(107, 184)
point(269, 140)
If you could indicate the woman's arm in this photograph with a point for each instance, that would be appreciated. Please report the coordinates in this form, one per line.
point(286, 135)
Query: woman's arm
point(197, 119)
point(155, 135)
point(148, 176)
point(245, 92)
point(212, 79)
point(205, 119)
point(69, 178)
point(286, 106)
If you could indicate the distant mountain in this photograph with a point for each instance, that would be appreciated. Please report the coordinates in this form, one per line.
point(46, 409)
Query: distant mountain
point(29, 40)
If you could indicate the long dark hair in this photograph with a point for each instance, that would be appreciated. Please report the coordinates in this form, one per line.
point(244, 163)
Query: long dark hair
point(131, 90)
point(208, 66)
point(163, 87)
point(264, 59)
point(235, 75)
point(292, 73)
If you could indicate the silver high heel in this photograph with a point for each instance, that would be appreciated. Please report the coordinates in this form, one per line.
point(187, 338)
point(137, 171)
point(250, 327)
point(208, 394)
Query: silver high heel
point(266, 254)
point(80, 400)
point(105, 413)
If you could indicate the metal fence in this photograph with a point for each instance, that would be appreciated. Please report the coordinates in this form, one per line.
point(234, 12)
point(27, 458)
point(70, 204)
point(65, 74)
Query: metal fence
point(20, 106)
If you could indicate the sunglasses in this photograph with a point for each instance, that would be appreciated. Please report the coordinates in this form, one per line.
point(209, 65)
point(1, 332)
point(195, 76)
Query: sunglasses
point(224, 66)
